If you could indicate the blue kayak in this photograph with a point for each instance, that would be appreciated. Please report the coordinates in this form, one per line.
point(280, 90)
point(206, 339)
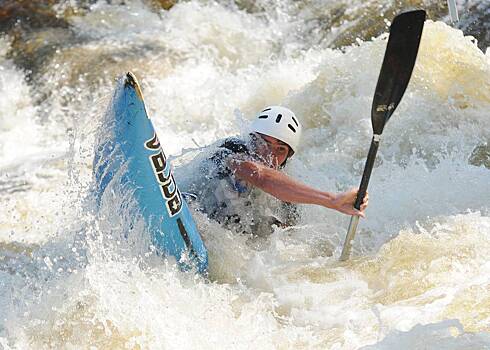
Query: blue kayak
point(129, 151)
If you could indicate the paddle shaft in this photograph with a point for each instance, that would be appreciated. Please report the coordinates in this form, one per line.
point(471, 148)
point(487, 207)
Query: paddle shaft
point(453, 10)
point(368, 168)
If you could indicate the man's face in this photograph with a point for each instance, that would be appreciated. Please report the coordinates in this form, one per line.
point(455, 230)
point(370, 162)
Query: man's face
point(275, 150)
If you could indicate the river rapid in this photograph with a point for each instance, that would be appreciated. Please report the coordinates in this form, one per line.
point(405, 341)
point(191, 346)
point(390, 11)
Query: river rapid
point(419, 277)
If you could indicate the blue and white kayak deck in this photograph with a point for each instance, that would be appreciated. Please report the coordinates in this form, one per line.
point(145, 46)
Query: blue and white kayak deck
point(131, 145)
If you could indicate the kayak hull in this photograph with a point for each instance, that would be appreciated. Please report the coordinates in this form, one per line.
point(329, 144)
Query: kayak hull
point(129, 150)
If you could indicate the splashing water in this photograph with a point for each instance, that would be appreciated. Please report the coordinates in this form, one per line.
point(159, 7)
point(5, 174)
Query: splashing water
point(420, 273)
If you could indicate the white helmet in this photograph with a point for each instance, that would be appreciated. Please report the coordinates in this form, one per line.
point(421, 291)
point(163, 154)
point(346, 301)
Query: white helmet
point(280, 123)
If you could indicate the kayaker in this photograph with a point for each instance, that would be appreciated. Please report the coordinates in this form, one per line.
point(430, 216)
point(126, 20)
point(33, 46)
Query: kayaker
point(240, 170)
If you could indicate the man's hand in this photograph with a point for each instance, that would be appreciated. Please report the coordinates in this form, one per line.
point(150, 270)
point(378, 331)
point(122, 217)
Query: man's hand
point(344, 202)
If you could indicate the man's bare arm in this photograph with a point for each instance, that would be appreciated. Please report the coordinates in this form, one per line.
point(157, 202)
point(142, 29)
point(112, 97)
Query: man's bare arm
point(290, 190)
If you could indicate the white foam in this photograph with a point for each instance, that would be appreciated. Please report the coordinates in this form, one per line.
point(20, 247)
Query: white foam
point(20, 134)
point(421, 256)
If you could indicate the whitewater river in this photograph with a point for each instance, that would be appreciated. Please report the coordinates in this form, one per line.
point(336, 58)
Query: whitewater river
point(420, 273)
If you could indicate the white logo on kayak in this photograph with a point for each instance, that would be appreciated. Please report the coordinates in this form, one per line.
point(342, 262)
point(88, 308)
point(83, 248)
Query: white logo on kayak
point(168, 187)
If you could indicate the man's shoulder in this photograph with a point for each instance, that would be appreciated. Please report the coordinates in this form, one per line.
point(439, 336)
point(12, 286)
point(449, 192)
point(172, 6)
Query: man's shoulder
point(235, 145)
point(227, 148)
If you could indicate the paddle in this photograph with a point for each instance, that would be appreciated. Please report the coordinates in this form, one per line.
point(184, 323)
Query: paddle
point(398, 63)
point(453, 10)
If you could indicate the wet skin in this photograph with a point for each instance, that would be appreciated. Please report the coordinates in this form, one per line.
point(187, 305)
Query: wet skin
point(271, 180)
point(275, 150)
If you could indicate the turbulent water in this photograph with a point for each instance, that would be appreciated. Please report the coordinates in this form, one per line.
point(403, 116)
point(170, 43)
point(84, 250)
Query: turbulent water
point(420, 273)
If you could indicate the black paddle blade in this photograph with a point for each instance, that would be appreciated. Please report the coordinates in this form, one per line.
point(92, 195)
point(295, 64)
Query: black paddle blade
point(398, 63)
